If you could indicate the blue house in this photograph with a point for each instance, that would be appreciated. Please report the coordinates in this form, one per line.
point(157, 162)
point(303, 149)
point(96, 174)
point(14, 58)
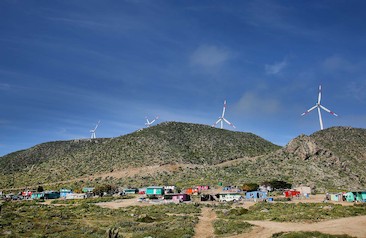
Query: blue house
point(64, 192)
point(256, 195)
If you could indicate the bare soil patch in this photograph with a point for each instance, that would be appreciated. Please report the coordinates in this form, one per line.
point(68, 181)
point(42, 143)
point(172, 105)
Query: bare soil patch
point(353, 226)
point(204, 228)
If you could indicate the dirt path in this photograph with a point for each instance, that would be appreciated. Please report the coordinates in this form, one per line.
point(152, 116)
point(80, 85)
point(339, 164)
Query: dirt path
point(204, 228)
point(122, 203)
point(353, 226)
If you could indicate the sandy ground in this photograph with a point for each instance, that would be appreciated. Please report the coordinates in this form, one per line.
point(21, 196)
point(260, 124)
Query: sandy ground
point(354, 226)
point(204, 228)
point(123, 203)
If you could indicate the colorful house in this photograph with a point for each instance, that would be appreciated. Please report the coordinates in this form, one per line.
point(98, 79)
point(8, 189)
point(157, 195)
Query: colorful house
point(256, 195)
point(359, 196)
point(192, 191)
point(179, 197)
point(169, 189)
point(76, 196)
point(64, 192)
point(130, 190)
point(228, 197)
point(27, 194)
point(291, 193)
point(155, 190)
point(337, 197)
point(87, 190)
point(37, 195)
point(51, 194)
point(203, 188)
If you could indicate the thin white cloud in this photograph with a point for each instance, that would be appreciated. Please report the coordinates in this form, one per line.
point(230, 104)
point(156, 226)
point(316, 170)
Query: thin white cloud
point(275, 68)
point(210, 56)
point(257, 104)
point(337, 63)
point(4, 86)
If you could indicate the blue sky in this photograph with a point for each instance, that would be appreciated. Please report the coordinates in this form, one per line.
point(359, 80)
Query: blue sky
point(64, 65)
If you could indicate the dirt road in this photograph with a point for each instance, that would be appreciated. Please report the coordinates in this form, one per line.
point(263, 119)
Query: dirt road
point(204, 228)
point(353, 226)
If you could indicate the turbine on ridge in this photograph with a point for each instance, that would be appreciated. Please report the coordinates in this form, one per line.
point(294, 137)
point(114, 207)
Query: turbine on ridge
point(149, 123)
point(319, 106)
point(93, 135)
point(222, 119)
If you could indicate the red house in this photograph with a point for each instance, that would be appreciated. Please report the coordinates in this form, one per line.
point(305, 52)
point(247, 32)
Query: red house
point(291, 193)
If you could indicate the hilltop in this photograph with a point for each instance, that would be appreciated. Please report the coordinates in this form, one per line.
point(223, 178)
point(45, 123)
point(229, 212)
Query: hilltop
point(165, 143)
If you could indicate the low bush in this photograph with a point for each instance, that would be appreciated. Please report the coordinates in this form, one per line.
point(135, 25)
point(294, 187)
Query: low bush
point(231, 227)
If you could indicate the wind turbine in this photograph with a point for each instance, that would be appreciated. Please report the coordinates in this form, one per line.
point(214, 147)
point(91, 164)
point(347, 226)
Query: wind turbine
point(93, 135)
point(222, 119)
point(149, 123)
point(319, 106)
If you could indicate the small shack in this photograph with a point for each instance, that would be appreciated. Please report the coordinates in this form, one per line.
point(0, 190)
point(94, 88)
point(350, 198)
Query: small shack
point(192, 191)
point(87, 190)
point(303, 190)
point(254, 195)
point(207, 197)
point(229, 197)
point(130, 190)
point(64, 192)
point(51, 194)
point(291, 193)
point(76, 196)
point(336, 197)
point(169, 189)
point(179, 197)
point(203, 187)
point(155, 191)
point(37, 195)
point(357, 196)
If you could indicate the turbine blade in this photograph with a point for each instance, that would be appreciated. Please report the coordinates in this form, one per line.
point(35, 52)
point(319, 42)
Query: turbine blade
point(320, 94)
point(223, 109)
point(96, 126)
point(304, 113)
point(231, 124)
point(327, 110)
point(216, 122)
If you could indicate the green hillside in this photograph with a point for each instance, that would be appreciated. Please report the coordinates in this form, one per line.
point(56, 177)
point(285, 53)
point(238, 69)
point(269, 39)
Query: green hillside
point(326, 161)
point(166, 143)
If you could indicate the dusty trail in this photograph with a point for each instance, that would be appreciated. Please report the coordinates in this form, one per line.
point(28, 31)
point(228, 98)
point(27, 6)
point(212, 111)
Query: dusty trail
point(353, 226)
point(204, 228)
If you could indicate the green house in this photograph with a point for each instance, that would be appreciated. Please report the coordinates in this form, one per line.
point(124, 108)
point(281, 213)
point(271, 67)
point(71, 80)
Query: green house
point(51, 194)
point(359, 196)
point(131, 190)
point(154, 190)
point(87, 190)
point(37, 195)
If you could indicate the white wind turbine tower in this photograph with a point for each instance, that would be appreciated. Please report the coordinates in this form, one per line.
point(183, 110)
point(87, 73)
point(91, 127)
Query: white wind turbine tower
point(222, 119)
point(93, 135)
point(319, 106)
point(149, 123)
